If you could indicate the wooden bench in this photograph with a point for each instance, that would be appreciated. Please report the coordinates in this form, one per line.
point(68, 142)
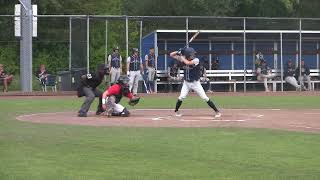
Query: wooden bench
point(235, 77)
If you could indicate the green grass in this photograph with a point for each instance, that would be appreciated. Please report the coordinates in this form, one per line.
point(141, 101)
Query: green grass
point(42, 151)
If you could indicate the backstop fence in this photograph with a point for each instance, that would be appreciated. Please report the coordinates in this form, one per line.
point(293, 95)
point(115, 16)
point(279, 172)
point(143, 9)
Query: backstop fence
point(68, 44)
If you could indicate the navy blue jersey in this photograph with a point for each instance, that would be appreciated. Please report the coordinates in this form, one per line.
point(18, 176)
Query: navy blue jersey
point(151, 58)
point(115, 60)
point(290, 71)
point(192, 72)
point(135, 63)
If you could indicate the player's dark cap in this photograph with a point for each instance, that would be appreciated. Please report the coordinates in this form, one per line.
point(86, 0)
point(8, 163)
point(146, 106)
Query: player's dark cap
point(115, 48)
point(102, 68)
point(135, 50)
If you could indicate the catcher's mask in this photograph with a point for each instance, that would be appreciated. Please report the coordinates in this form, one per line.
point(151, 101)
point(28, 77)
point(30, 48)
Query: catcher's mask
point(189, 53)
point(123, 80)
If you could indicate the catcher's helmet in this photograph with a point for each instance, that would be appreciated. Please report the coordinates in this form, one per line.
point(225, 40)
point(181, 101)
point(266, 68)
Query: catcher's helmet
point(102, 68)
point(123, 80)
point(189, 53)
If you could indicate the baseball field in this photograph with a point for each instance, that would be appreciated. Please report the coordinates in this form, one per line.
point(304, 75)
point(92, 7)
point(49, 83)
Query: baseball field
point(49, 151)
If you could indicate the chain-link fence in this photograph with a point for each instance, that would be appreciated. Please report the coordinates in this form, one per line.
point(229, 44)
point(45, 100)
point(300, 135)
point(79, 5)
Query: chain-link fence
point(68, 45)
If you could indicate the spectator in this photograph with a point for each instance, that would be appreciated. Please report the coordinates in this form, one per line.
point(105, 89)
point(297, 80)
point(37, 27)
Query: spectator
point(265, 74)
point(5, 78)
point(205, 61)
point(173, 75)
point(258, 62)
point(305, 75)
point(42, 74)
point(204, 78)
point(215, 64)
point(289, 75)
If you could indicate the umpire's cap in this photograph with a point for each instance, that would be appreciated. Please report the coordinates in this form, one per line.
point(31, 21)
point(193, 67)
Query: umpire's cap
point(103, 68)
point(189, 52)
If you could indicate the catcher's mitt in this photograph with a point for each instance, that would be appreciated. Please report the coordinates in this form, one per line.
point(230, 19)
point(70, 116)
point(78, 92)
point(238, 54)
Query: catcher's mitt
point(133, 101)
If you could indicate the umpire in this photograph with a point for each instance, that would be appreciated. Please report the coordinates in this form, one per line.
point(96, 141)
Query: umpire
point(88, 88)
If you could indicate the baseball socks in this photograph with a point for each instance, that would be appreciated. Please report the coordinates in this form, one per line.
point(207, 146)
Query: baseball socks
point(178, 104)
point(213, 106)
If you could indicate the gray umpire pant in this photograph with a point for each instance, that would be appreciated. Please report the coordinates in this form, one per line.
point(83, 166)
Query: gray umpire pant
point(114, 75)
point(90, 95)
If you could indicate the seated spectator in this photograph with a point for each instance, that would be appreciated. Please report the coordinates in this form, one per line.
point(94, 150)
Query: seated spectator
point(204, 78)
point(289, 75)
point(258, 62)
point(42, 74)
point(5, 78)
point(205, 61)
point(265, 74)
point(215, 64)
point(305, 75)
point(173, 75)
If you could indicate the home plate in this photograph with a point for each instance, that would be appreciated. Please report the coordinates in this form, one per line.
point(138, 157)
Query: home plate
point(228, 120)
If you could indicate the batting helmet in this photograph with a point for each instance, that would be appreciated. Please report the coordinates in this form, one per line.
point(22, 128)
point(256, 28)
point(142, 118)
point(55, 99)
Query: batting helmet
point(189, 53)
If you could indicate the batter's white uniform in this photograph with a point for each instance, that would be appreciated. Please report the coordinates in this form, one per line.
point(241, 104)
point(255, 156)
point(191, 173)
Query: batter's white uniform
point(195, 86)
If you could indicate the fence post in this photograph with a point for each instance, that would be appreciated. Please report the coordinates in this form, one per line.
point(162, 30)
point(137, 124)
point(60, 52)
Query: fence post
point(244, 56)
point(26, 46)
point(88, 44)
point(281, 59)
point(70, 42)
point(106, 44)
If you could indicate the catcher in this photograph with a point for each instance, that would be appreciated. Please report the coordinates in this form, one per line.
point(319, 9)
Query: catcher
point(113, 95)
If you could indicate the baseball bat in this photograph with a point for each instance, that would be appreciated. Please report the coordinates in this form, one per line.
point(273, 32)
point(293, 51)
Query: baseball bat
point(192, 38)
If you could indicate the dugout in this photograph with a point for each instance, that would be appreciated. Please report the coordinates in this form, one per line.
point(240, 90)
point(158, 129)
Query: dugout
point(236, 49)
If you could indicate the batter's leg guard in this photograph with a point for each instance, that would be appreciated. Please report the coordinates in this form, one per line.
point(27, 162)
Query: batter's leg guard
point(213, 106)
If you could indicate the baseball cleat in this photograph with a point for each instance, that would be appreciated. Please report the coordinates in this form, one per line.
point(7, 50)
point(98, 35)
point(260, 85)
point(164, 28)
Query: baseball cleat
point(108, 112)
point(178, 114)
point(218, 115)
point(81, 114)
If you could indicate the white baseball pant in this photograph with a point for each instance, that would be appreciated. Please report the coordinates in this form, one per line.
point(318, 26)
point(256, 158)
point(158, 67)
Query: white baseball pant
point(134, 77)
point(196, 86)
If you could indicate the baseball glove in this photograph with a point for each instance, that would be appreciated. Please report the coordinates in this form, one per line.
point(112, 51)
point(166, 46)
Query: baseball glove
point(133, 101)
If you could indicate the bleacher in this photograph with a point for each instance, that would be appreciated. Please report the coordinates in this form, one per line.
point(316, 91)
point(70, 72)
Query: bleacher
point(237, 77)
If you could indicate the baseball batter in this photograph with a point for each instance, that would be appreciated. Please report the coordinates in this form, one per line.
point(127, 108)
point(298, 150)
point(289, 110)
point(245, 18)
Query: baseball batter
point(115, 65)
point(135, 68)
point(113, 95)
point(191, 78)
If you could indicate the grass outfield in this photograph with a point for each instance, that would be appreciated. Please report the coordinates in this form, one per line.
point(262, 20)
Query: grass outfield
point(51, 152)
